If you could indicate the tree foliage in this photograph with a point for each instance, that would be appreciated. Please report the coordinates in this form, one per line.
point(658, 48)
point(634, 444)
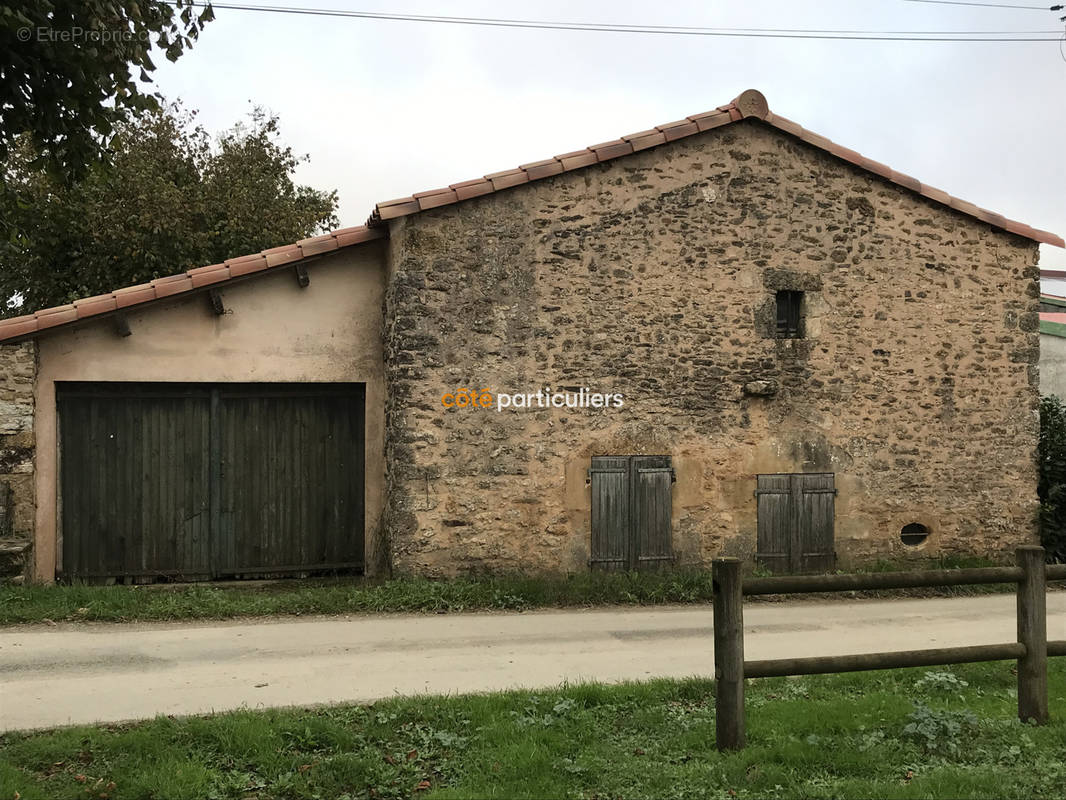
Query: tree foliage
point(169, 198)
point(1052, 486)
point(70, 70)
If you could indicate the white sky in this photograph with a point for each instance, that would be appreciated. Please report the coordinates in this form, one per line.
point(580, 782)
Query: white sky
point(387, 108)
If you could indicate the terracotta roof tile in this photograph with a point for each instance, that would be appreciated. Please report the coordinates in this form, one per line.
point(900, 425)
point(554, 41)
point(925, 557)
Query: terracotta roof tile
point(877, 168)
point(614, 149)
point(246, 265)
point(400, 208)
point(679, 130)
point(750, 104)
point(18, 326)
point(171, 287)
point(936, 194)
point(100, 304)
point(205, 276)
point(542, 169)
point(442, 197)
point(577, 159)
point(712, 119)
point(277, 256)
point(507, 178)
point(56, 316)
point(474, 188)
point(131, 296)
point(906, 181)
point(317, 245)
point(645, 139)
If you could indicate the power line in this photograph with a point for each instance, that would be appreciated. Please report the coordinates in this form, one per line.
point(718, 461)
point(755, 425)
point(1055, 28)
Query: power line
point(680, 30)
point(981, 5)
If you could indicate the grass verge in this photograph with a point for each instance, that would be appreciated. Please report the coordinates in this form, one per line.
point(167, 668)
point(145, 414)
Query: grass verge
point(944, 733)
point(353, 595)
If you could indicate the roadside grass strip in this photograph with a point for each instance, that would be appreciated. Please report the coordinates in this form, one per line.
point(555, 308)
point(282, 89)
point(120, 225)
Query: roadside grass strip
point(353, 595)
point(916, 733)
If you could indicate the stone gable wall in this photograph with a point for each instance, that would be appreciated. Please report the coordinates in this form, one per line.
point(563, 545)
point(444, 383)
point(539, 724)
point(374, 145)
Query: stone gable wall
point(18, 370)
point(654, 276)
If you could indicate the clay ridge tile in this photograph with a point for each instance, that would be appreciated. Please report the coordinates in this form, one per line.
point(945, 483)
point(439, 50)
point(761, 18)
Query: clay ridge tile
point(749, 103)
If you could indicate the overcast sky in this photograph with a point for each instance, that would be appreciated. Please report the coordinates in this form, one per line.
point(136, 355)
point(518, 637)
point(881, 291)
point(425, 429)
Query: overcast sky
point(387, 108)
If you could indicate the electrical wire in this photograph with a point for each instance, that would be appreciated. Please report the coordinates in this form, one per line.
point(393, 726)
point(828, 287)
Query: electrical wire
point(757, 33)
point(979, 5)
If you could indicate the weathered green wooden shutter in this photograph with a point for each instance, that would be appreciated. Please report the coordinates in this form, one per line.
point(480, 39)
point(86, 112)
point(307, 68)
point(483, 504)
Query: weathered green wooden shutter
point(631, 511)
point(774, 496)
point(795, 522)
point(609, 478)
point(651, 478)
point(814, 519)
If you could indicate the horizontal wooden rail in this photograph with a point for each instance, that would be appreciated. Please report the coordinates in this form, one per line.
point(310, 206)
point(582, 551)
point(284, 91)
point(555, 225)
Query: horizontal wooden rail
point(799, 584)
point(821, 665)
point(1031, 650)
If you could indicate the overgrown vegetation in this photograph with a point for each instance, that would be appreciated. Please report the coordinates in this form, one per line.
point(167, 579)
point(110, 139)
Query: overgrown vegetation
point(859, 735)
point(28, 604)
point(170, 197)
point(1052, 486)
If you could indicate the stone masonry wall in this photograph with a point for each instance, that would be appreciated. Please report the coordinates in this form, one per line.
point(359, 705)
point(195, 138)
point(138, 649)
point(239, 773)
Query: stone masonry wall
point(654, 276)
point(18, 370)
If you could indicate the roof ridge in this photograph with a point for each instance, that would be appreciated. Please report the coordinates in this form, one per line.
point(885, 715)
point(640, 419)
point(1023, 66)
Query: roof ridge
point(750, 103)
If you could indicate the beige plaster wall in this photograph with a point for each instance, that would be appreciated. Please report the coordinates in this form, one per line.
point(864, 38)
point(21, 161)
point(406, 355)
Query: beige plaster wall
point(272, 331)
point(1053, 365)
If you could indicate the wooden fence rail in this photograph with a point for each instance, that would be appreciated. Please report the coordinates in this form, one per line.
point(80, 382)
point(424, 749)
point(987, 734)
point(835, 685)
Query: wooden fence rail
point(1031, 650)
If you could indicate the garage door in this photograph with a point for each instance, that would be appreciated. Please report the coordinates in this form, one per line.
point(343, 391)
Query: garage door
point(200, 480)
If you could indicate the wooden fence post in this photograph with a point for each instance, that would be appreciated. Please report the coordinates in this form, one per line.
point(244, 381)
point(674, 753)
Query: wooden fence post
point(1032, 632)
point(728, 655)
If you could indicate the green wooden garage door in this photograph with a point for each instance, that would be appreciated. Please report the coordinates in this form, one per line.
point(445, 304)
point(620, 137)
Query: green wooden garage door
point(194, 480)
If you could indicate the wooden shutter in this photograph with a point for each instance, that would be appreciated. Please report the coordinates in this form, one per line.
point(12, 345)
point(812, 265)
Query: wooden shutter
point(609, 479)
point(815, 522)
point(795, 527)
point(774, 501)
point(651, 478)
point(631, 511)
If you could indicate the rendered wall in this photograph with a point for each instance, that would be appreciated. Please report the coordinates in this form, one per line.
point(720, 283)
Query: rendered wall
point(272, 331)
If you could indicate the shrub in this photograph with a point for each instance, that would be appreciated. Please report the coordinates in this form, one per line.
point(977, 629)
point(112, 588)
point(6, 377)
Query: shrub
point(1051, 453)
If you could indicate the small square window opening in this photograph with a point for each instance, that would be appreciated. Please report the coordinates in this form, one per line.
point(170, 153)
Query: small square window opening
point(789, 315)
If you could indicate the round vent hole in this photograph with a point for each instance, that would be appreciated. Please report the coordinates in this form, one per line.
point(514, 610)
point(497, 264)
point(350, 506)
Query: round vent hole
point(913, 534)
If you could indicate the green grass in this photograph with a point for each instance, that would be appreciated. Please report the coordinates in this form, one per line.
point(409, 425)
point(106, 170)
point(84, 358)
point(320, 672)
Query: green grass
point(352, 595)
point(841, 736)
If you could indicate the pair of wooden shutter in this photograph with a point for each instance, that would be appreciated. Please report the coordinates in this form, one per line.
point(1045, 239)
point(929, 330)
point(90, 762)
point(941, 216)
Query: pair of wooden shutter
point(796, 522)
point(631, 511)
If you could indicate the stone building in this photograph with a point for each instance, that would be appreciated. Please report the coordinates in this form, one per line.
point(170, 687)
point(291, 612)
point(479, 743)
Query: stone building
point(724, 335)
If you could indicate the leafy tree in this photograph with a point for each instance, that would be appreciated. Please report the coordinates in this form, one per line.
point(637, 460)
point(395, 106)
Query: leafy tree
point(69, 70)
point(1052, 486)
point(170, 197)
